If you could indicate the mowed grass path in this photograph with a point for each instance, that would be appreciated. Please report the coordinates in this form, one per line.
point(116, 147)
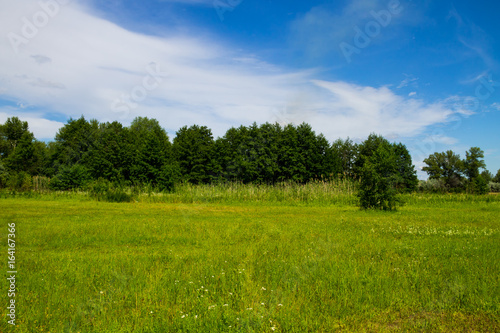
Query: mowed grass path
point(87, 266)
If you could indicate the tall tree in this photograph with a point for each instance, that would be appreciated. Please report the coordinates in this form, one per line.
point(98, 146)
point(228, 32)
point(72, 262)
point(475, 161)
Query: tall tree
point(446, 166)
point(473, 162)
point(378, 175)
point(73, 141)
point(407, 179)
point(151, 150)
point(344, 157)
point(367, 149)
point(110, 153)
point(10, 134)
point(487, 176)
point(193, 149)
point(496, 179)
point(23, 157)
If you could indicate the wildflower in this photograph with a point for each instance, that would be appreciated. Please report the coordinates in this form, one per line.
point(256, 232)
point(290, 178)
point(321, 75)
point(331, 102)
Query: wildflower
point(263, 288)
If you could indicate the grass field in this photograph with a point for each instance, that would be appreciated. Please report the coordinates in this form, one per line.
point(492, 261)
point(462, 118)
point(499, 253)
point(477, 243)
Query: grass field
point(253, 266)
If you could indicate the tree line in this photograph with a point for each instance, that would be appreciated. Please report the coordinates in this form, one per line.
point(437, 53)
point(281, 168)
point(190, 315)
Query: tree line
point(143, 154)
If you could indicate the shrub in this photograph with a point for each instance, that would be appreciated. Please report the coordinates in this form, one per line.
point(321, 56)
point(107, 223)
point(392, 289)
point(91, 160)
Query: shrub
point(4, 176)
point(432, 186)
point(480, 185)
point(169, 176)
point(494, 187)
point(378, 177)
point(69, 178)
point(20, 182)
point(104, 190)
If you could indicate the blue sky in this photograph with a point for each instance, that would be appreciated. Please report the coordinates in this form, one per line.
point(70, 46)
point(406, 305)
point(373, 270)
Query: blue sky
point(424, 73)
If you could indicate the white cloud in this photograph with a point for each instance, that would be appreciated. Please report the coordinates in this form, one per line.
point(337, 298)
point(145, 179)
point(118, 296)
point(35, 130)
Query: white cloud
point(43, 129)
point(409, 80)
point(356, 111)
point(94, 62)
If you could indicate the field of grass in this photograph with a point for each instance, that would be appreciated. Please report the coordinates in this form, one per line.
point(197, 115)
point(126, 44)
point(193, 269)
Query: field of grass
point(192, 263)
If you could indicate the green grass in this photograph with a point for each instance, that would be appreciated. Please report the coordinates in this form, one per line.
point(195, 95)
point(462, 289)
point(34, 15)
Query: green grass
point(243, 264)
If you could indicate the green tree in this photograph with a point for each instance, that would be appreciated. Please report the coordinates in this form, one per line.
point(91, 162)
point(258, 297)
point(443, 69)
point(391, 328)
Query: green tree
point(73, 142)
point(70, 177)
point(446, 166)
point(480, 185)
point(344, 156)
point(378, 175)
point(10, 134)
point(487, 176)
point(4, 175)
point(110, 153)
point(496, 179)
point(193, 149)
point(407, 180)
point(23, 157)
point(151, 150)
point(303, 155)
point(473, 162)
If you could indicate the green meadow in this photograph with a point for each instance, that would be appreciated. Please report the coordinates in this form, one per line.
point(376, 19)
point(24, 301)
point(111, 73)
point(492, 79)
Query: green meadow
point(208, 260)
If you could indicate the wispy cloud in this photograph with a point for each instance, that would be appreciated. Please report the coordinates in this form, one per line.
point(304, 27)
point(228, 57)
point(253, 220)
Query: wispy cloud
point(319, 32)
point(473, 38)
point(409, 80)
point(202, 82)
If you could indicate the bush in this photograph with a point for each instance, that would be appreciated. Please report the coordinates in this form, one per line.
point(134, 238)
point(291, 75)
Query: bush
point(104, 190)
point(432, 186)
point(378, 177)
point(69, 178)
point(169, 176)
point(20, 182)
point(494, 187)
point(481, 185)
point(4, 176)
